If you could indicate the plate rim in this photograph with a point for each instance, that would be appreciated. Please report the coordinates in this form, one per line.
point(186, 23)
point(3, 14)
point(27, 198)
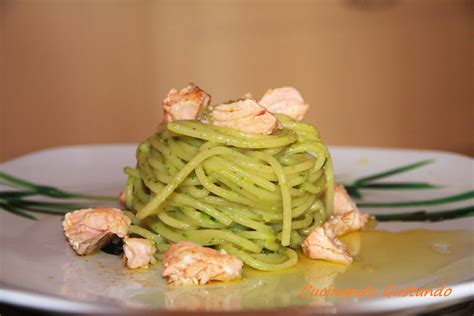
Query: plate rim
point(87, 146)
point(45, 302)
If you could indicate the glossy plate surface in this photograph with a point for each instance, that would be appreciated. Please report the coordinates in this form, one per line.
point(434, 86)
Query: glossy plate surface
point(38, 269)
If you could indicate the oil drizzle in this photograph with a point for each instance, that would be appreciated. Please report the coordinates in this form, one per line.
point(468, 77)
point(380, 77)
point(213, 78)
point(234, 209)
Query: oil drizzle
point(420, 258)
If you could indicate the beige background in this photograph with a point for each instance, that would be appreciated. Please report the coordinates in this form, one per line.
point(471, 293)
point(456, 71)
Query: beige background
point(392, 73)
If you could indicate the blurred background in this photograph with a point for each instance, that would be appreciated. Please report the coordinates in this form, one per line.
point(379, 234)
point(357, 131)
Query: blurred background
point(389, 73)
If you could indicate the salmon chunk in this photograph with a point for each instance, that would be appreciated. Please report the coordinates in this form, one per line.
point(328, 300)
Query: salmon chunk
point(347, 222)
point(185, 104)
point(285, 100)
point(245, 115)
point(322, 244)
point(89, 229)
point(346, 216)
point(187, 263)
point(122, 199)
point(138, 252)
point(343, 202)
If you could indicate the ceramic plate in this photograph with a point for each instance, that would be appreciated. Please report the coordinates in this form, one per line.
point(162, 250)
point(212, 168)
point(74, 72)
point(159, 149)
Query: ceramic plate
point(39, 270)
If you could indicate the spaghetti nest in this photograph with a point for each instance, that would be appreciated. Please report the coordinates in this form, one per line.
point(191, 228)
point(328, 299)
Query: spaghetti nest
point(255, 196)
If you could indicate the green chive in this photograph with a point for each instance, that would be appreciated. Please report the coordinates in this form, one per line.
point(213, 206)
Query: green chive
point(394, 171)
point(448, 199)
point(425, 216)
point(399, 186)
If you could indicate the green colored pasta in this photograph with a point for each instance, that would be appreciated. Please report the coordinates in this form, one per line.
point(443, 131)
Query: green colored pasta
point(255, 196)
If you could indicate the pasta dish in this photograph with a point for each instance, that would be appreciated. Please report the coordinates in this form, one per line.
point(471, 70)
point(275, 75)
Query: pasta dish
point(220, 186)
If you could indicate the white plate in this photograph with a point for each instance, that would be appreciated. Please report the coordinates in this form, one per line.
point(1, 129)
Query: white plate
point(39, 270)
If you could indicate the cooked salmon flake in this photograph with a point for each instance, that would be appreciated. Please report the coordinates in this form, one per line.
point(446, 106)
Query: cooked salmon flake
point(323, 243)
point(89, 229)
point(187, 263)
point(285, 100)
point(185, 104)
point(245, 115)
point(138, 252)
